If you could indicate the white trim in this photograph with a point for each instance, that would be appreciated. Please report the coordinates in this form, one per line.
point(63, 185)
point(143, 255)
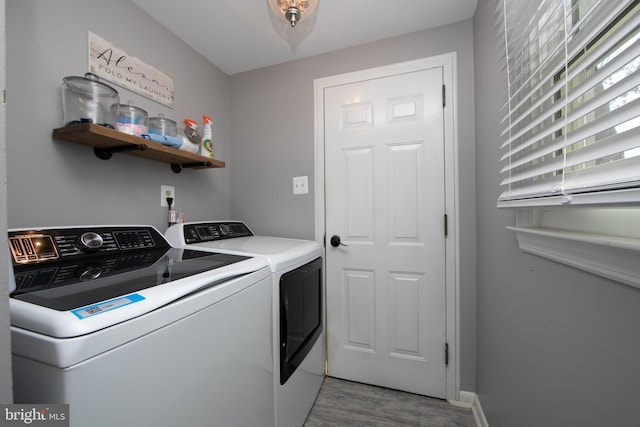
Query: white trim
point(469, 400)
point(449, 64)
point(465, 400)
point(615, 258)
point(478, 413)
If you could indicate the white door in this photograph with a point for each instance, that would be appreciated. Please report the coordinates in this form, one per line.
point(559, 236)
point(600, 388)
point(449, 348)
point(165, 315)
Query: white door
point(385, 200)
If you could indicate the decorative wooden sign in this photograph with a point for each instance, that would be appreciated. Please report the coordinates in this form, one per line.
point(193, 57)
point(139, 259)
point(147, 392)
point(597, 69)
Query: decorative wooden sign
point(117, 66)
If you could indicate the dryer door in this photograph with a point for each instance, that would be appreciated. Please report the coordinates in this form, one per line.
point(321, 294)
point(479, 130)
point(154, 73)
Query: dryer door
point(300, 315)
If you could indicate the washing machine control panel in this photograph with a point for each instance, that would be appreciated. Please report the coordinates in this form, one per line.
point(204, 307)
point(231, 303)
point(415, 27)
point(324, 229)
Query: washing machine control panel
point(213, 231)
point(43, 245)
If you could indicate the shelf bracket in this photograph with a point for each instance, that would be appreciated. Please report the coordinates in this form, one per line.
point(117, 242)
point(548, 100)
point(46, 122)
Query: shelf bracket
point(106, 153)
point(178, 168)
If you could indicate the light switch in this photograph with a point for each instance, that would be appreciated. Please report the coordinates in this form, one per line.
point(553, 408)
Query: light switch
point(300, 185)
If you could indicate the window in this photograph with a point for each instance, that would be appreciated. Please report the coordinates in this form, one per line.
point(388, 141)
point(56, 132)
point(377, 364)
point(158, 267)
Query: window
point(571, 149)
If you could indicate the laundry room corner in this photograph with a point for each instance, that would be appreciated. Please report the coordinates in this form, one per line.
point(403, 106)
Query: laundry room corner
point(55, 182)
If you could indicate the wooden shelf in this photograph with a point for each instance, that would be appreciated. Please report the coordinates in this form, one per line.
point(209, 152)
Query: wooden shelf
point(106, 141)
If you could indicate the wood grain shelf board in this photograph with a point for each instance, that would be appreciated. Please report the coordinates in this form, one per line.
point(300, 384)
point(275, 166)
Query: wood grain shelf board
point(101, 137)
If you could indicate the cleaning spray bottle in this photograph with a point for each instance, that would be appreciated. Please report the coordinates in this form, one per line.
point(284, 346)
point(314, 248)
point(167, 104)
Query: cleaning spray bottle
point(207, 140)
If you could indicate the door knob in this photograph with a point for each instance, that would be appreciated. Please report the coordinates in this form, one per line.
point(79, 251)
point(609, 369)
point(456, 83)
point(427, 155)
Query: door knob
point(335, 241)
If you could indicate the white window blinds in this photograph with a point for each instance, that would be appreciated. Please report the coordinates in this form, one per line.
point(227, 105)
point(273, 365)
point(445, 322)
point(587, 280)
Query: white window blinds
point(572, 101)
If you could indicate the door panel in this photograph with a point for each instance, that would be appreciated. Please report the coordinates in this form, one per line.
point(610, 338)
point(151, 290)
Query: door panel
point(358, 195)
point(404, 192)
point(384, 196)
point(359, 295)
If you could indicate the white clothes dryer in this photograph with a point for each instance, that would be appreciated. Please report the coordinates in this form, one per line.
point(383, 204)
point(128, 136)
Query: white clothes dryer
point(131, 332)
point(298, 341)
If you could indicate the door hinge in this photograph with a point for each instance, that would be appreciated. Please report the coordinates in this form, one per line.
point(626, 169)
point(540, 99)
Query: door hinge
point(444, 96)
point(446, 354)
point(446, 225)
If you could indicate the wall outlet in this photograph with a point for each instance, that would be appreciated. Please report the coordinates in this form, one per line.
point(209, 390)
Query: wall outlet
point(167, 191)
point(300, 185)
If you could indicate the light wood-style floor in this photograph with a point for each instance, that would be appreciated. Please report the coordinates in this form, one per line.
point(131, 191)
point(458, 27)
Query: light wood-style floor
point(345, 403)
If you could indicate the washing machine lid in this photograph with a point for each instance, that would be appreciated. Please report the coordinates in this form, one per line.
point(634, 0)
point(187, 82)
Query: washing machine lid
point(72, 285)
point(64, 291)
point(235, 237)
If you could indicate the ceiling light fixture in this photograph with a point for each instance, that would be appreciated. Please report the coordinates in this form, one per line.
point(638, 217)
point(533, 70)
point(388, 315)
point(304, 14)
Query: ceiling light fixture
point(293, 10)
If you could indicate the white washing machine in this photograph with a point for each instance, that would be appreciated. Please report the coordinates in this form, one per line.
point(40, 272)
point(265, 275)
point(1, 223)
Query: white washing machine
point(131, 332)
point(298, 341)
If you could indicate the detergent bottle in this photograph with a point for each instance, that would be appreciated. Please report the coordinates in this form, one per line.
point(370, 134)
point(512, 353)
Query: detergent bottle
point(207, 140)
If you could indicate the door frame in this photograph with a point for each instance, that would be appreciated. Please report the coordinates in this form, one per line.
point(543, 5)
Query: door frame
point(448, 62)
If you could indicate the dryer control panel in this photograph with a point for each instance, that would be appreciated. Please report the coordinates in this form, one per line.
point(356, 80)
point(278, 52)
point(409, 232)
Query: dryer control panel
point(213, 231)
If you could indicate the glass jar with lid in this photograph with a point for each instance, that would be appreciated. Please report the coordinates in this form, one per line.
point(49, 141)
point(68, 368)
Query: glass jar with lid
point(132, 120)
point(88, 100)
point(162, 126)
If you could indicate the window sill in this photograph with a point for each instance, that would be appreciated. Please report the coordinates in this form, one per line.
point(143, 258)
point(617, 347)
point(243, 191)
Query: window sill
point(615, 258)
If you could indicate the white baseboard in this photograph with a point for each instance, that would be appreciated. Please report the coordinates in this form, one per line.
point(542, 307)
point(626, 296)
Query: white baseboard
point(465, 400)
point(468, 399)
point(478, 413)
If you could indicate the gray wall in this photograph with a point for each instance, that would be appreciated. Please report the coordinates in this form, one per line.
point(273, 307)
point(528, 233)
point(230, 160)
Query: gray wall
point(59, 183)
point(272, 123)
point(556, 346)
point(5, 336)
